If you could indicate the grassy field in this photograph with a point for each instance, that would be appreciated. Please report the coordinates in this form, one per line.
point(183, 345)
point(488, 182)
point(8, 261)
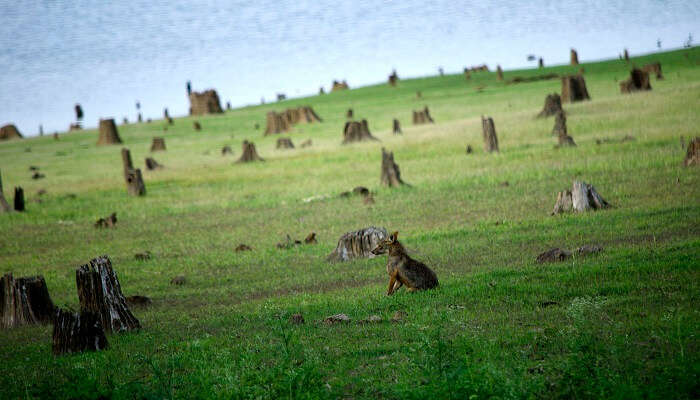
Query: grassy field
point(625, 322)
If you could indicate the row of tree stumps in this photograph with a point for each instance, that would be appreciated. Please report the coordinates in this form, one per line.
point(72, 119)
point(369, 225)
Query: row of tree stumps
point(103, 308)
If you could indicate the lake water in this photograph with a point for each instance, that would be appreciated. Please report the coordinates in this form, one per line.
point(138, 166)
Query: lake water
point(107, 55)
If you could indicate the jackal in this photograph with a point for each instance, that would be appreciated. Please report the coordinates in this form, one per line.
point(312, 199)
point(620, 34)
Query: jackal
point(402, 269)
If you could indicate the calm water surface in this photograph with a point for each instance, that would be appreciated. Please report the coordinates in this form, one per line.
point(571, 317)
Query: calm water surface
point(107, 55)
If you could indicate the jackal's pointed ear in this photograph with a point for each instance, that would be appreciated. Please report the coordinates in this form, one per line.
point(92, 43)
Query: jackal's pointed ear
point(394, 236)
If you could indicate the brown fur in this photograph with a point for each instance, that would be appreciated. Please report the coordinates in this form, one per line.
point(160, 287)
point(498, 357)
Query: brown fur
point(402, 269)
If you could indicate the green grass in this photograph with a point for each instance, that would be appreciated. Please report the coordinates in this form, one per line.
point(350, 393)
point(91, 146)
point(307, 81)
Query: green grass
point(626, 320)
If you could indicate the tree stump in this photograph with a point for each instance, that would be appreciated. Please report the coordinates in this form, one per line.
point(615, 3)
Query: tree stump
point(339, 86)
point(108, 222)
point(166, 115)
point(499, 72)
point(566, 140)
point(24, 301)
point(4, 205)
point(422, 116)
point(126, 162)
point(226, 150)
point(391, 175)
point(285, 143)
point(654, 68)
point(393, 78)
point(152, 164)
point(489, 133)
point(349, 114)
point(19, 199)
point(574, 57)
point(158, 144)
point(78, 112)
point(357, 244)
point(249, 153)
point(540, 63)
point(356, 131)
point(206, 102)
point(692, 156)
point(397, 127)
point(108, 132)
point(77, 332)
point(99, 292)
point(638, 80)
point(276, 123)
point(9, 131)
point(300, 115)
point(573, 88)
point(559, 124)
point(582, 197)
point(564, 203)
point(552, 105)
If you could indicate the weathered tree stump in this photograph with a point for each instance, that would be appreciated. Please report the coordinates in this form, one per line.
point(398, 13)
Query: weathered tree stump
point(285, 143)
point(310, 238)
point(133, 178)
point(300, 115)
point(692, 156)
point(249, 153)
point(581, 198)
point(573, 88)
point(108, 132)
point(391, 175)
point(4, 205)
point(499, 72)
point(158, 144)
point(559, 124)
point(638, 80)
point(356, 131)
point(357, 244)
point(654, 68)
point(127, 165)
point(552, 105)
point(422, 116)
point(99, 292)
point(9, 131)
point(24, 301)
point(19, 199)
point(152, 164)
point(489, 133)
point(349, 114)
point(276, 123)
point(393, 78)
point(339, 86)
point(107, 222)
point(206, 102)
point(397, 127)
point(226, 150)
point(77, 332)
point(574, 57)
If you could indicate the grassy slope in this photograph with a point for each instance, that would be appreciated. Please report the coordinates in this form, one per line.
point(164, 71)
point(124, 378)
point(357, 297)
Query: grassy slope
point(626, 324)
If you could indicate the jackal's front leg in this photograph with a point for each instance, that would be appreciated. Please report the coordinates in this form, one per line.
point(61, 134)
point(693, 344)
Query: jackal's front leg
point(392, 281)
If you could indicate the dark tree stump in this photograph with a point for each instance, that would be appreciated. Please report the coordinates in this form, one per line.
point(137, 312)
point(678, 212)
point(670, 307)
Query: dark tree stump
point(9, 131)
point(78, 112)
point(310, 238)
point(355, 131)
point(391, 176)
point(692, 156)
point(349, 114)
point(397, 127)
point(574, 57)
point(552, 105)
point(540, 63)
point(170, 121)
point(166, 115)
point(285, 143)
point(638, 80)
point(108, 132)
point(19, 199)
point(100, 293)
point(77, 332)
point(469, 149)
point(133, 178)
point(24, 301)
point(108, 222)
point(226, 150)
point(559, 124)
point(582, 197)
point(489, 133)
point(197, 126)
point(654, 68)
point(499, 72)
point(206, 102)
point(4, 205)
point(152, 164)
point(276, 123)
point(422, 116)
point(127, 165)
point(357, 244)
point(626, 55)
point(158, 144)
point(300, 115)
point(339, 86)
point(393, 78)
point(573, 88)
point(249, 153)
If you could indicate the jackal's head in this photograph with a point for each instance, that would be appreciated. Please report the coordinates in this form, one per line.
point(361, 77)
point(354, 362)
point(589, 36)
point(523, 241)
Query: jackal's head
point(386, 244)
